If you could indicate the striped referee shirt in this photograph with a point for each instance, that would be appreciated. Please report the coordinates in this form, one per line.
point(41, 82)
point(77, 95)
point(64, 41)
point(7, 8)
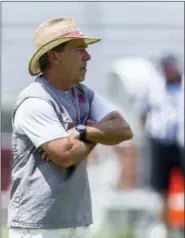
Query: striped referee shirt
point(163, 104)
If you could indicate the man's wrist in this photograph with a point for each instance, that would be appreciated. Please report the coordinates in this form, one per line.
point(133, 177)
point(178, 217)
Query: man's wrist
point(82, 130)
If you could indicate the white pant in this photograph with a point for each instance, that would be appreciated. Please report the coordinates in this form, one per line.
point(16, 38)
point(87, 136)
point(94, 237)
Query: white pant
point(78, 232)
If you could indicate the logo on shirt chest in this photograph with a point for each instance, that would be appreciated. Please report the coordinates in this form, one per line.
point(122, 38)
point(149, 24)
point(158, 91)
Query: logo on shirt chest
point(81, 99)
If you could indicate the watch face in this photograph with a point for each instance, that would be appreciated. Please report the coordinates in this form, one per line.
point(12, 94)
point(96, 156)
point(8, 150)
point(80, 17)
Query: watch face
point(81, 127)
point(82, 131)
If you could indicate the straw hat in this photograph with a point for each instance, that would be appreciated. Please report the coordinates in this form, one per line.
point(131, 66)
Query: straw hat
point(51, 34)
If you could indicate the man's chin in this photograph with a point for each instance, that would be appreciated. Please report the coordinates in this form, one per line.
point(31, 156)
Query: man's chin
point(81, 79)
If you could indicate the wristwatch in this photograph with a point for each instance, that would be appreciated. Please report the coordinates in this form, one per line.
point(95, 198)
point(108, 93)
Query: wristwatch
point(82, 131)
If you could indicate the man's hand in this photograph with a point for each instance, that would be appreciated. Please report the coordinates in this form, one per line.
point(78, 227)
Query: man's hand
point(45, 157)
point(73, 134)
point(70, 125)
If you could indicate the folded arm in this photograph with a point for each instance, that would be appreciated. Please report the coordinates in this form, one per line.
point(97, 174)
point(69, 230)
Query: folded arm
point(67, 151)
point(37, 119)
point(107, 127)
point(111, 130)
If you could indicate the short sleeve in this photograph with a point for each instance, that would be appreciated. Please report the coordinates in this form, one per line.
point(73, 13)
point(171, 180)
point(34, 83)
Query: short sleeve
point(141, 103)
point(37, 119)
point(100, 108)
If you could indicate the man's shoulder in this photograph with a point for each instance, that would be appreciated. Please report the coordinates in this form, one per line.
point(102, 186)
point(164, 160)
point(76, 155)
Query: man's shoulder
point(34, 89)
point(30, 88)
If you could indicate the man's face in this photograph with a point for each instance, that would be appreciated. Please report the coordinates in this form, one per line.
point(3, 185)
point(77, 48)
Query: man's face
point(171, 72)
point(72, 61)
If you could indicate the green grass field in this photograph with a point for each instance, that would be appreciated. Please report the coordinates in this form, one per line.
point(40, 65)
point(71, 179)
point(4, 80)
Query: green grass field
point(4, 233)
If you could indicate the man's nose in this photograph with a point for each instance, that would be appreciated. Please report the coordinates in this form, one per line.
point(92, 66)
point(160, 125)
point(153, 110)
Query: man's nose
point(87, 56)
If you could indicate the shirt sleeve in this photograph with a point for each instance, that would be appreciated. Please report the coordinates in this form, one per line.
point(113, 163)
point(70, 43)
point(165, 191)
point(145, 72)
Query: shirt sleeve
point(100, 108)
point(141, 103)
point(37, 119)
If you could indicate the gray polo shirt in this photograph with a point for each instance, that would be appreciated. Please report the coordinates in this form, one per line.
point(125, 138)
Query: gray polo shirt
point(44, 195)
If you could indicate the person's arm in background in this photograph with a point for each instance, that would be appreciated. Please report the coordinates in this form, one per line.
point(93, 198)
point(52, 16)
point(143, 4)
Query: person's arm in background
point(142, 120)
point(142, 107)
point(104, 116)
point(37, 119)
point(105, 125)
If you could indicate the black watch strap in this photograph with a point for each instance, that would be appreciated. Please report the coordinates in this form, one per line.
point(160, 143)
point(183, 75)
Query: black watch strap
point(82, 131)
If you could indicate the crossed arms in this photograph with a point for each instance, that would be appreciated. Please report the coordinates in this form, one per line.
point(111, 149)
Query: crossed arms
point(37, 119)
point(67, 151)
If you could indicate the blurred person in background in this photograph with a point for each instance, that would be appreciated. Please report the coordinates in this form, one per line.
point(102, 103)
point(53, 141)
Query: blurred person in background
point(58, 119)
point(127, 154)
point(161, 110)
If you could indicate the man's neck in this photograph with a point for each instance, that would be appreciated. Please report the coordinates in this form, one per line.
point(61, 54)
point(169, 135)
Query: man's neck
point(61, 82)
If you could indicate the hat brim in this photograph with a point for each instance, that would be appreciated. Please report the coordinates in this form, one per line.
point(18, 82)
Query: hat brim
point(34, 68)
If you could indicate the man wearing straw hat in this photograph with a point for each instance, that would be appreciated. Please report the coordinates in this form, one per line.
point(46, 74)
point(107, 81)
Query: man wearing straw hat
point(62, 119)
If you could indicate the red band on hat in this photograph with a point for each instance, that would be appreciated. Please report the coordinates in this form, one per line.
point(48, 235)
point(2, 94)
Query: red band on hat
point(71, 34)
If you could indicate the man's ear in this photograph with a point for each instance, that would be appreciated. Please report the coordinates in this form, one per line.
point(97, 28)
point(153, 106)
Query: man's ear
point(52, 56)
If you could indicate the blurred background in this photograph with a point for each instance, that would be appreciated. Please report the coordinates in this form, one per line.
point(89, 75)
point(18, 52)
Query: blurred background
point(124, 65)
